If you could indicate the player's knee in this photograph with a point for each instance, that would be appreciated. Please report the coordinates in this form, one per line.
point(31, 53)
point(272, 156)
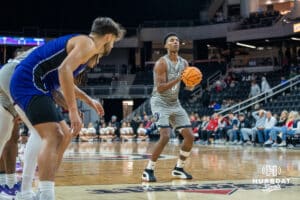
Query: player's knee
point(164, 136)
point(187, 134)
point(57, 134)
point(67, 136)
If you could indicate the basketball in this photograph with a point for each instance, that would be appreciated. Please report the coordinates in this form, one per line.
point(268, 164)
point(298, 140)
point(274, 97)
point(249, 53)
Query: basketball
point(191, 76)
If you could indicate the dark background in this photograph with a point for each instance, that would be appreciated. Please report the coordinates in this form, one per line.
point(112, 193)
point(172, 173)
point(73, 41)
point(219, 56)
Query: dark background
point(78, 15)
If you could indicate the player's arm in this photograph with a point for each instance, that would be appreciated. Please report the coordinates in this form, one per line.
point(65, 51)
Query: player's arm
point(80, 51)
point(59, 99)
point(82, 96)
point(160, 71)
point(89, 101)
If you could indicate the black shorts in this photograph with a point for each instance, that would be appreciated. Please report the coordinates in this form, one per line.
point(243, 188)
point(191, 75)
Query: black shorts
point(42, 109)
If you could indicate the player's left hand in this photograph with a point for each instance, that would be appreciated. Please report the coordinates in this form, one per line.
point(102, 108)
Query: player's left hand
point(190, 88)
point(98, 107)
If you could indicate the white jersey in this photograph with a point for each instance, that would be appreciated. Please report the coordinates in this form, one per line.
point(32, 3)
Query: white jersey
point(170, 97)
point(165, 106)
point(5, 76)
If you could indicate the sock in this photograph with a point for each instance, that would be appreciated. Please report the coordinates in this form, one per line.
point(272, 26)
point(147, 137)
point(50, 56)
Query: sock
point(27, 196)
point(11, 180)
point(47, 190)
point(30, 161)
point(2, 178)
point(151, 165)
point(180, 163)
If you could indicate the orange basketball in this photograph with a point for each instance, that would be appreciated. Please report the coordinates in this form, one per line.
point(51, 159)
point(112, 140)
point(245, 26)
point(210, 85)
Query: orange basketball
point(191, 76)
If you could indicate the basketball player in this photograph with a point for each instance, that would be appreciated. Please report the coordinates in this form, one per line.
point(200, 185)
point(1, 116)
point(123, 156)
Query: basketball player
point(167, 109)
point(8, 179)
point(10, 186)
point(9, 128)
point(54, 66)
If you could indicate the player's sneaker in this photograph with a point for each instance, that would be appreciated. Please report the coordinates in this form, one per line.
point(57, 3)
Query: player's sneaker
point(31, 196)
point(4, 196)
point(180, 173)
point(12, 191)
point(148, 175)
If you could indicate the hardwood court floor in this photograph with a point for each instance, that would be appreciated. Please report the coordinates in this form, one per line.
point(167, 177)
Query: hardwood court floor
point(113, 171)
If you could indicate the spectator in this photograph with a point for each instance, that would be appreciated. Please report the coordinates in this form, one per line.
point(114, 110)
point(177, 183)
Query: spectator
point(202, 128)
point(136, 120)
point(284, 129)
point(265, 87)
point(116, 125)
point(282, 121)
point(91, 132)
point(220, 135)
point(103, 132)
point(218, 86)
point(269, 124)
point(126, 132)
point(260, 118)
point(211, 128)
point(232, 128)
point(83, 135)
point(142, 133)
point(194, 122)
point(215, 106)
point(243, 123)
point(254, 90)
point(283, 81)
point(107, 132)
point(147, 122)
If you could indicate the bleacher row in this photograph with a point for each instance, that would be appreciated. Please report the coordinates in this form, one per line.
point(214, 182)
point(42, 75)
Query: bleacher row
point(237, 93)
point(289, 101)
point(260, 19)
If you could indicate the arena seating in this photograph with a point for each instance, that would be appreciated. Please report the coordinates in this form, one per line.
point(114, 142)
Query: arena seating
point(260, 19)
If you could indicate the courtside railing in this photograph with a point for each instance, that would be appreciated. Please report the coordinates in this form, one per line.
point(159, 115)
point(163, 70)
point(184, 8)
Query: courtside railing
point(280, 88)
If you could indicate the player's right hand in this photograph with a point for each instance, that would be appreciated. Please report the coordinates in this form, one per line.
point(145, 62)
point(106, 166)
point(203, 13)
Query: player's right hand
point(76, 123)
point(179, 77)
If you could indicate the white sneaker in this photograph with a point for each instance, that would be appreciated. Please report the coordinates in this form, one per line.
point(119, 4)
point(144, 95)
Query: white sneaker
point(222, 141)
point(268, 142)
point(33, 196)
point(4, 196)
point(282, 144)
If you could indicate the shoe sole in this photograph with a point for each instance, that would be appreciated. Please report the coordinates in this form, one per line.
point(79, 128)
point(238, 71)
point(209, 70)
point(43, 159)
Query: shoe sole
point(181, 176)
point(149, 181)
point(144, 179)
point(6, 197)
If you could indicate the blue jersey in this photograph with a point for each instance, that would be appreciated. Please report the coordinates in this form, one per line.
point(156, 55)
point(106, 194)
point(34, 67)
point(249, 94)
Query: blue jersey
point(37, 74)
